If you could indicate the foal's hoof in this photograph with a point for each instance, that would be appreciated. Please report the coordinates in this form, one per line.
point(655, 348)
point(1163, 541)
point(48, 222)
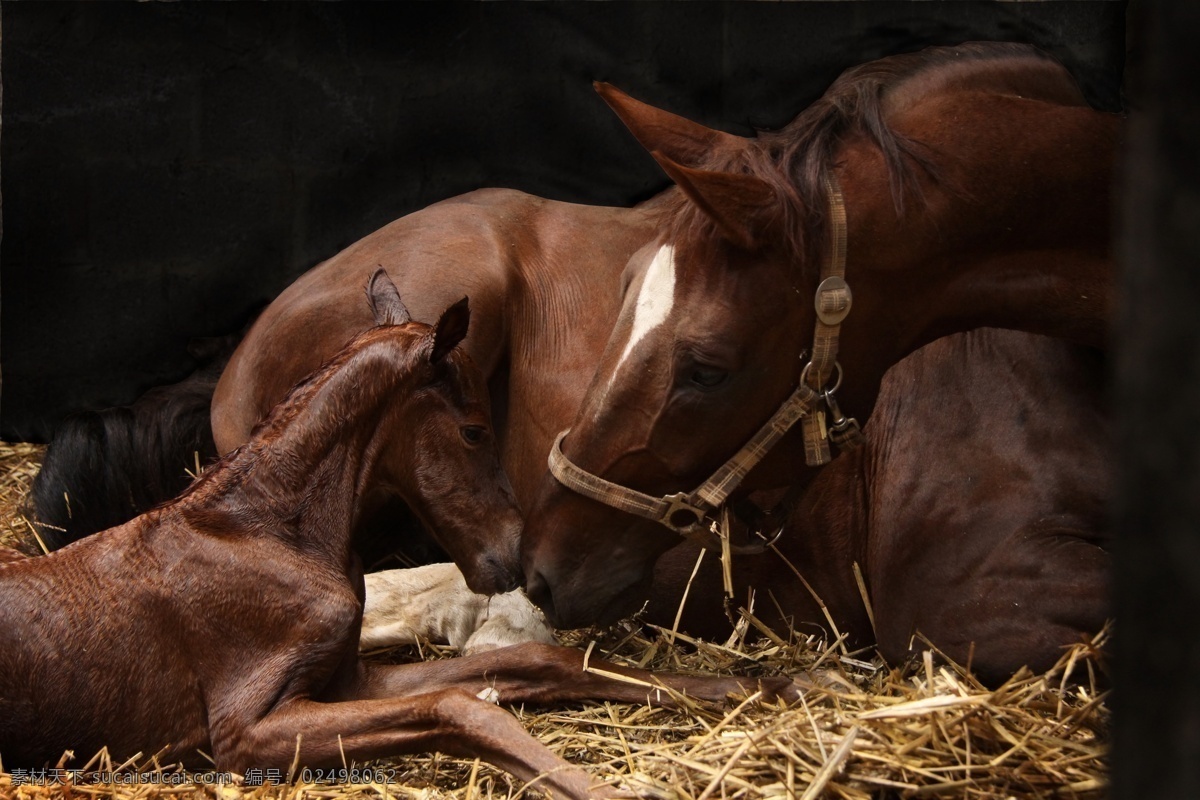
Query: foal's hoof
point(780, 688)
point(826, 680)
point(790, 688)
point(509, 619)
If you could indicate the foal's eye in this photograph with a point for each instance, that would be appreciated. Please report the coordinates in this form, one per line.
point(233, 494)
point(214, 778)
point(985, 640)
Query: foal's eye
point(708, 377)
point(473, 434)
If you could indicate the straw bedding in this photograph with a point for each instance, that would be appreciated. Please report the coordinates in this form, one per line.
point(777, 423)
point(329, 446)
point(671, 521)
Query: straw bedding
point(866, 731)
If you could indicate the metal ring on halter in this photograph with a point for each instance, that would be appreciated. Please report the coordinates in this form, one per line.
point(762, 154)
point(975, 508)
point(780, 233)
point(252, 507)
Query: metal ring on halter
point(753, 548)
point(712, 538)
point(774, 538)
point(837, 367)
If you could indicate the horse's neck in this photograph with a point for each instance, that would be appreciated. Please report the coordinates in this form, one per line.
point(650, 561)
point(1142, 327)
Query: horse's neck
point(1015, 234)
point(1018, 72)
point(302, 476)
point(568, 269)
point(561, 308)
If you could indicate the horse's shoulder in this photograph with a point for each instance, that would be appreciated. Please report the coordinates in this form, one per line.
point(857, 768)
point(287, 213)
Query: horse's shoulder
point(1014, 388)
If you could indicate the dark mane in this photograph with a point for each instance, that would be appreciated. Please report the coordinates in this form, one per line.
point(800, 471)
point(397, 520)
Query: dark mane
point(796, 159)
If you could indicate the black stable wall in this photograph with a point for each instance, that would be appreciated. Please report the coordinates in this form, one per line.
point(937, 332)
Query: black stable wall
point(169, 167)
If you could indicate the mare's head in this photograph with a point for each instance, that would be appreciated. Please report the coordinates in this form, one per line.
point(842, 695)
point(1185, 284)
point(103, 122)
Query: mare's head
point(439, 451)
point(716, 314)
point(720, 309)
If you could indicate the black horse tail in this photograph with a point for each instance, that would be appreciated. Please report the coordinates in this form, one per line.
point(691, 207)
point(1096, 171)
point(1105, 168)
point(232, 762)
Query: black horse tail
point(103, 468)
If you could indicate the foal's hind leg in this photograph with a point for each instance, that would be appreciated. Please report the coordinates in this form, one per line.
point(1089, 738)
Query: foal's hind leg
point(434, 602)
point(452, 721)
point(9, 555)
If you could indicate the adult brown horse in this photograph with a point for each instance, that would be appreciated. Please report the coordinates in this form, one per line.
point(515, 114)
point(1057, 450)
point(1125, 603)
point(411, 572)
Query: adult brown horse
point(226, 622)
point(988, 242)
point(975, 183)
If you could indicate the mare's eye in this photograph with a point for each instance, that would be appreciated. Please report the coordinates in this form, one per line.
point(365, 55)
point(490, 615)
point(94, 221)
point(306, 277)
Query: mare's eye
point(473, 434)
point(708, 377)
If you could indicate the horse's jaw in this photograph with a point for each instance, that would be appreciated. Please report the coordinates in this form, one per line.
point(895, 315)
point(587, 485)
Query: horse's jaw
point(582, 600)
point(588, 564)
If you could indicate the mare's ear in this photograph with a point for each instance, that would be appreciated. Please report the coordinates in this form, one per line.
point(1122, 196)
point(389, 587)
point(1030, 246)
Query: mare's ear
point(385, 301)
point(680, 139)
point(450, 329)
point(739, 204)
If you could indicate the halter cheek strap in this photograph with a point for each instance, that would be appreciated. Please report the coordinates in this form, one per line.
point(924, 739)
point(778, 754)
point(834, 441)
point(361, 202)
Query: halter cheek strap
point(688, 514)
point(691, 514)
point(832, 301)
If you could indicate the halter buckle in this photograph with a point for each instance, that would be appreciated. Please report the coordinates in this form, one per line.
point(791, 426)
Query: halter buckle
point(833, 300)
point(679, 506)
point(837, 418)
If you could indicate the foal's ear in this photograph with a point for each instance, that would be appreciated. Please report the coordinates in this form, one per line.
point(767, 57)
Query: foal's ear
point(682, 140)
point(385, 301)
point(738, 203)
point(450, 329)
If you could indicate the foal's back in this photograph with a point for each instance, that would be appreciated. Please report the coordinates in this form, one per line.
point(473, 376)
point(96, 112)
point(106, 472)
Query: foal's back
point(86, 634)
point(127, 639)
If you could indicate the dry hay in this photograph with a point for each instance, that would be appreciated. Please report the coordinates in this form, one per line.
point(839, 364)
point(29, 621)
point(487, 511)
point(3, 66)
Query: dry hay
point(866, 731)
point(18, 465)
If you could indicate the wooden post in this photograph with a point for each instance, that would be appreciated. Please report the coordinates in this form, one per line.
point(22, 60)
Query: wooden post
point(1157, 669)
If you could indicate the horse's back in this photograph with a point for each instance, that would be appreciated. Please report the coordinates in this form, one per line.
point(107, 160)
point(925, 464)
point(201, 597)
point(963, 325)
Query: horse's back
point(542, 277)
point(325, 307)
point(994, 67)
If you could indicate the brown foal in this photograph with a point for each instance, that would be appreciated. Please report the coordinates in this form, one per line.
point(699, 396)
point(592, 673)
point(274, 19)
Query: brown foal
point(227, 621)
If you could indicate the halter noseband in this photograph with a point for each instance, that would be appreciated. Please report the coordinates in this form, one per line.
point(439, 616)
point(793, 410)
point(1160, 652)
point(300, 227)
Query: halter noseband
point(691, 514)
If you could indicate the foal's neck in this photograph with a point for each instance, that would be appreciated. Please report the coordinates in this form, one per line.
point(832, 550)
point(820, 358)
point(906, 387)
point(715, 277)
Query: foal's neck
point(306, 469)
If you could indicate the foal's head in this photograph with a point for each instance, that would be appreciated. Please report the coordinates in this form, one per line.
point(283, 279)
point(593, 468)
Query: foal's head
point(438, 450)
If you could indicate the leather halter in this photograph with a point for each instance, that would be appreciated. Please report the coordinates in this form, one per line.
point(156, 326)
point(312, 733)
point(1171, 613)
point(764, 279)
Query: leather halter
point(693, 514)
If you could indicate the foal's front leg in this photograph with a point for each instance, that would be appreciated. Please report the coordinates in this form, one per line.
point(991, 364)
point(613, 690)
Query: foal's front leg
point(540, 673)
point(451, 721)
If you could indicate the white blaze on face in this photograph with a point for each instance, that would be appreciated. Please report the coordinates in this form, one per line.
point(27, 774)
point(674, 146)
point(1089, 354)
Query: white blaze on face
point(655, 299)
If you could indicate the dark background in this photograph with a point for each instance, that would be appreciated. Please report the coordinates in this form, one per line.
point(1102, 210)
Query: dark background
point(169, 167)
